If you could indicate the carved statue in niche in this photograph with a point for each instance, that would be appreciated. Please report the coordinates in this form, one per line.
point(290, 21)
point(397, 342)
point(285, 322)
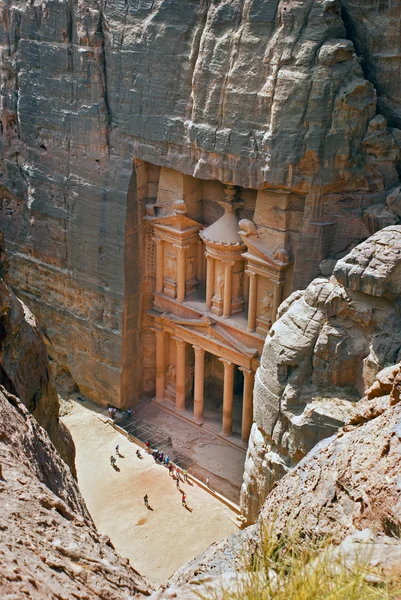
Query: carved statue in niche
point(266, 303)
point(189, 270)
point(238, 285)
point(219, 286)
point(170, 269)
point(170, 374)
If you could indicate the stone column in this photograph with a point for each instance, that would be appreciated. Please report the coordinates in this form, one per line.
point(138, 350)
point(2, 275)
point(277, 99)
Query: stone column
point(160, 365)
point(228, 396)
point(199, 383)
point(199, 262)
point(180, 375)
point(253, 296)
point(181, 256)
point(247, 404)
point(277, 291)
point(246, 287)
point(228, 271)
point(159, 265)
point(209, 281)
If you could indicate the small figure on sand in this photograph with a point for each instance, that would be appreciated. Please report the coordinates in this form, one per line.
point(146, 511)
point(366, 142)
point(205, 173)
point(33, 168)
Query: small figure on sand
point(118, 450)
point(207, 481)
point(146, 500)
point(184, 475)
point(139, 455)
point(170, 469)
point(112, 460)
point(147, 446)
point(177, 483)
point(184, 500)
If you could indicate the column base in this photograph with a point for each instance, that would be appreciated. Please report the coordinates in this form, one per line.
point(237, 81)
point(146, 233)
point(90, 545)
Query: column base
point(198, 421)
point(227, 434)
point(250, 330)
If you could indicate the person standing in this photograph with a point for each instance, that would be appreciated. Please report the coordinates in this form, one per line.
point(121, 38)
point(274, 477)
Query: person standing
point(177, 483)
point(118, 449)
point(184, 500)
point(146, 500)
point(207, 481)
point(112, 460)
point(184, 474)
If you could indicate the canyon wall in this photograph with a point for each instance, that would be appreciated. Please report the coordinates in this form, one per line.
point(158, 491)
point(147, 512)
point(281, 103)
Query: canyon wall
point(25, 369)
point(325, 350)
point(49, 546)
point(269, 95)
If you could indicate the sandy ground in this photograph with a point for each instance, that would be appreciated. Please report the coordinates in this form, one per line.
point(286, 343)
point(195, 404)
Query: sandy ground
point(211, 456)
point(156, 541)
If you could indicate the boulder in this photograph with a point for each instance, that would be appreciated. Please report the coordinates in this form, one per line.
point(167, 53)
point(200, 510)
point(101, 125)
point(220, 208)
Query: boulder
point(49, 545)
point(320, 356)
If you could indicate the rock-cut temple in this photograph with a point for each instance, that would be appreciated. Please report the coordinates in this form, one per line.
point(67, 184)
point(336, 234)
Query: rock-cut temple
point(217, 290)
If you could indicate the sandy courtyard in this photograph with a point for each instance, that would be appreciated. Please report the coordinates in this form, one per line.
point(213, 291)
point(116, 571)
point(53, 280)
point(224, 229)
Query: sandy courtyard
point(156, 541)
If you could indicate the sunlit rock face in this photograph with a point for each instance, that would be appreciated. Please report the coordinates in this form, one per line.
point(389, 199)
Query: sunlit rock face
point(321, 355)
point(49, 545)
point(259, 93)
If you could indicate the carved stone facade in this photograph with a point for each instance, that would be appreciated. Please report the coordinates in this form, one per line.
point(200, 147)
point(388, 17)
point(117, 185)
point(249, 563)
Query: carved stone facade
point(217, 288)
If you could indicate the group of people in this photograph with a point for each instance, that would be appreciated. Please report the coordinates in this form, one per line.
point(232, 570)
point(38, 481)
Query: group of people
point(161, 458)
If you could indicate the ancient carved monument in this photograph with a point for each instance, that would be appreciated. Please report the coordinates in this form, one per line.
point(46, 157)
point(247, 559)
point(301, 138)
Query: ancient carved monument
point(217, 290)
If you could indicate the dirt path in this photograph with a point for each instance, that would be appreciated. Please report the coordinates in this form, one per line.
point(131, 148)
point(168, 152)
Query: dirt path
point(156, 541)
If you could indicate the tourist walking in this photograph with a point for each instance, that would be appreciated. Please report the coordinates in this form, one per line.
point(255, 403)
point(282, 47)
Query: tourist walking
point(184, 475)
point(177, 483)
point(118, 449)
point(207, 481)
point(112, 460)
point(184, 500)
point(170, 469)
point(146, 500)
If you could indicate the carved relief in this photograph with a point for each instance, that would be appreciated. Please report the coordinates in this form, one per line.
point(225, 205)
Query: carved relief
point(190, 269)
point(171, 374)
point(238, 285)
point(266, 303)
point(171, 268)
point(220, 286)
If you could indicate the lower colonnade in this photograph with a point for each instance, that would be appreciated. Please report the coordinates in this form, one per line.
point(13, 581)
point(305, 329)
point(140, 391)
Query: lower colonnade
point(199, 384)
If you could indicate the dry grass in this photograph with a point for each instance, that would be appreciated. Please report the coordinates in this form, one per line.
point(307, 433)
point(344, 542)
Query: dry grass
point(293, 568)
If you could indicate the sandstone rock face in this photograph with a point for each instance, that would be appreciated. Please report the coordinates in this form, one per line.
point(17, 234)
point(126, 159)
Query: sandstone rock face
point(350, 481)
point(49, 546)
point(260, 93)
point(325, 350)
point(24, 366)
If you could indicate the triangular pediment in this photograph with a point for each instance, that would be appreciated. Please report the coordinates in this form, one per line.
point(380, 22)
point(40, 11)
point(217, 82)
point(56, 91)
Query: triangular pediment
point(210, 330)
point(177, 223)
point(257, 245)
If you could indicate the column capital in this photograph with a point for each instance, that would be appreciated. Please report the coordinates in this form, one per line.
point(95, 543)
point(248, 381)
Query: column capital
point(250, 274)
point(157, 240)
point(228, 263)
point(181, 248)
point(179, 342)
point(247, 372)
point(226, 363)
point(209, 257)
point(198, 350)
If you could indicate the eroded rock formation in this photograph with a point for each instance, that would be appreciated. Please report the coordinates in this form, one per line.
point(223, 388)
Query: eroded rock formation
point(347, 488)
point(24, 365)
point(323, 353)
point(268, 95)
point(49, 546)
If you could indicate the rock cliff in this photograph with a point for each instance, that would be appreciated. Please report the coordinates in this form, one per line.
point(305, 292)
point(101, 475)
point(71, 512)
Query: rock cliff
point(346, 489)
point(24, 365)
point(49, 546)
point(265, 94)
point(321, 355)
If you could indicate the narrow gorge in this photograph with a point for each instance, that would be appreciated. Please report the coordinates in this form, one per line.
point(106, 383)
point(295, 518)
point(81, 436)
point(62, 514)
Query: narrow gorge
point(201, 210)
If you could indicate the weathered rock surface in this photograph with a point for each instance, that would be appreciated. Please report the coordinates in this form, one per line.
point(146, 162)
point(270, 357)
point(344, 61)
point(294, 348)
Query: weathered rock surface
point(49, 546)
point(24, 366)
point(322, 354)
point(350, 481)
point(347, 488)
point(260, 93)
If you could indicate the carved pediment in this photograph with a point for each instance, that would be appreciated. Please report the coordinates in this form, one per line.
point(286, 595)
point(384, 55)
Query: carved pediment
point(175, 223)
point(207, 328)
point(257, 243)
